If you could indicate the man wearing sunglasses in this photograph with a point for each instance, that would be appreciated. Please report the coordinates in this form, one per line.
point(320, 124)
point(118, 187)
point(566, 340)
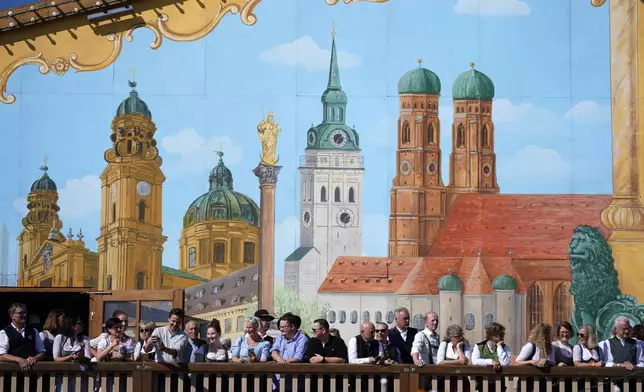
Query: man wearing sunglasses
point(20, 344)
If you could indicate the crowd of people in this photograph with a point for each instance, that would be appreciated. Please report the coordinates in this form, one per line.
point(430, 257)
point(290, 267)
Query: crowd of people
point(62, 340)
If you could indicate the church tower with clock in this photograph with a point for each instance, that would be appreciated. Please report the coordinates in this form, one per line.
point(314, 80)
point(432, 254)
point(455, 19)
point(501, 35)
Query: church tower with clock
point(331, 184)
point(131, 240)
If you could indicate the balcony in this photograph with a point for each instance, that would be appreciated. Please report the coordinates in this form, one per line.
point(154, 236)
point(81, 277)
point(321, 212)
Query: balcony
point(331, 162)
point(146, 376)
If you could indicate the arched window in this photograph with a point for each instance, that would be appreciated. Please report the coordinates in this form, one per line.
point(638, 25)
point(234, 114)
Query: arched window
point(113, 212)
point(323, 194)
point(390, 317)
point(220, 253)
point(192, 257)
point(470, 321)
point(336, 194)
point(430, 134)
point(109, 282)
point(330, 316)
point(484, 137)
point(240, 323)
point(535, 305)
point(378, 317)
point(343, 317)
point(406, 133)
point(249, 252)
point(352, 195)
point(340, 114)
point(563, 304)
point(366, 317)
point(418, 322)
point(141, 211)
point(460, 136)
point(354, 317)
point(489, 319)
point(140, 280)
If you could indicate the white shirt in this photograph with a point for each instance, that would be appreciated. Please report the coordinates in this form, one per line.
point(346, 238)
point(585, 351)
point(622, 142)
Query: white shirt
point(426, 343)
point(70, 345)
point(446, 352)
point(140, 349)
point(403, 334)
point(94, 342)
point(582, 353)
point(608, 355)
point(503, 353)
point(126, 345)
point(529, 348)
point(4, 340)
point(353, 351)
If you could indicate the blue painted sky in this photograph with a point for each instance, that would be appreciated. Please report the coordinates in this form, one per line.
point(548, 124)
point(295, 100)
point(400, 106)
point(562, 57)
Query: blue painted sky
point(549, 60)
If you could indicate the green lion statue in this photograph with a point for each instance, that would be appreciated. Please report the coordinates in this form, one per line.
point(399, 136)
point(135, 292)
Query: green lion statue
point(595, 284)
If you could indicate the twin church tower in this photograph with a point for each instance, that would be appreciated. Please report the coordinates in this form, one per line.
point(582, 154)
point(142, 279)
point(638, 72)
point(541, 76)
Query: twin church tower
point(331, 172)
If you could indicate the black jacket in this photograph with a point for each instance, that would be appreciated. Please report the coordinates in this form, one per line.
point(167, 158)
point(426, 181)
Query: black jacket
point(404, 346)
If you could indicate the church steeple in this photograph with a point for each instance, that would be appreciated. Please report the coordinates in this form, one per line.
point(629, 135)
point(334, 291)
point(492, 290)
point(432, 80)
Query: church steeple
point(334, 100)
point(220, 176)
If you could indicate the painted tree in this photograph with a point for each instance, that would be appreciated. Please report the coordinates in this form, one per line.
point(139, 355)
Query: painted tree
point(285, 301)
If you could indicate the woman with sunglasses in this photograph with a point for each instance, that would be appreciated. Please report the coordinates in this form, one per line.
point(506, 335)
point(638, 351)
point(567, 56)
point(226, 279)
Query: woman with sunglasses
point(70, 345)
point(145, 333)
point(587, 353)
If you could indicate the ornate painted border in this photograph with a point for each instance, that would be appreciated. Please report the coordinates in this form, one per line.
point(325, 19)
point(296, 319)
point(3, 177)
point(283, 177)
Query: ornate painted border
point(160, 24)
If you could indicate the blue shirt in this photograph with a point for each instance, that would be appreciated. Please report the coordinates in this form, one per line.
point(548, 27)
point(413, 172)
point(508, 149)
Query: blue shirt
point(240, 349)
point(195, 351)
point(294, 348)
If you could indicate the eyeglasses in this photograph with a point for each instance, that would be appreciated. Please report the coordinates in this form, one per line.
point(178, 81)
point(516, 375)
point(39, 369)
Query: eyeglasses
point(581, 335)
point(145, 330)
point(381, 330)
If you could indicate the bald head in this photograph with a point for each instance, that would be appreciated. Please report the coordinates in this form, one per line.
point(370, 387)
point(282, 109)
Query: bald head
point(367, 330)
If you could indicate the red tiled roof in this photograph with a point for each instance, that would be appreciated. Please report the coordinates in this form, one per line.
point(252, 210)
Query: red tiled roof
point(423, 279)
point(533, 226)
point(368, 274)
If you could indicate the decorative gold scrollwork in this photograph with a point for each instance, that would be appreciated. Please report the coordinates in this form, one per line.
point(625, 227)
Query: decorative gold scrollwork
point(157, 24)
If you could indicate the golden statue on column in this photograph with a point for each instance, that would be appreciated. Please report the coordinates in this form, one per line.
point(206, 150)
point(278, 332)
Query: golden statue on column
point(268, 131)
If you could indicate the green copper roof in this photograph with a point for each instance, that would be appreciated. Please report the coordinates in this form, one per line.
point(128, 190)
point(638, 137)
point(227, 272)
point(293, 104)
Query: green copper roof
point(473, 85)
point(221, 202)
point(299, 253)
point(333, 133)
point(133, 104)
point(44, 183)
point(505, 282)
point(419, 81)
point(172, 271)
point(450, 283)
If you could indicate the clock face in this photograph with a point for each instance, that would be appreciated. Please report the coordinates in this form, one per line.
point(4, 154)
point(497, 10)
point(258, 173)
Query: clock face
point(345, 217)
point(338, 138)
point(311, 138)
point(143, 189)
point(306, 218)
point(405, 168)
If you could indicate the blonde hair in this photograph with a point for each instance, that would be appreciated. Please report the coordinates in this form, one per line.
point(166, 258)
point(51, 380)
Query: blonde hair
point(541, 336)
point(591, 337)
point(148, 325)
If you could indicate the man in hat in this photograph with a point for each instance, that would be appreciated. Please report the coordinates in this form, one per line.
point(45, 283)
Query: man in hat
point(266, 318)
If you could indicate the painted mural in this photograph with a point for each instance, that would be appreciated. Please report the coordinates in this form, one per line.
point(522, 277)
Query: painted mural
point(477, 158)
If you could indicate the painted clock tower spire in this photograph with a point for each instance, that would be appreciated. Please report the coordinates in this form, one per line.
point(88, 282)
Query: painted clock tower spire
point(331, 178)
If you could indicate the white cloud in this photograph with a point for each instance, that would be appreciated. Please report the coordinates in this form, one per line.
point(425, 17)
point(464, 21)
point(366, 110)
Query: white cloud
point(534, 169)
point(306, 53)
point(195, 154)
point(492, 7)
point(589, 112)
point(504, 111)
point(80, 198)
point(375, 235)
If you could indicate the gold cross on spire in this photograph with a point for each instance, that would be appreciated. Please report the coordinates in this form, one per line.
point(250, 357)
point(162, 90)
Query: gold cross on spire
point(420, 61)
point(333, 29)
point(472, 65)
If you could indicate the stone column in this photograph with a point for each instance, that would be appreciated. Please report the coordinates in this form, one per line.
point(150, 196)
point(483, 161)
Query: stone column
point(267, 175)
point(625, 215)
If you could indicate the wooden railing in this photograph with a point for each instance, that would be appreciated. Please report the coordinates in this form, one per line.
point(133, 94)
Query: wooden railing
point(206, 377)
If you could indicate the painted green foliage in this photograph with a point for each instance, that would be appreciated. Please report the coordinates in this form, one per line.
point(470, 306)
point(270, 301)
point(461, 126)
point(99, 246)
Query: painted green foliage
point(285, 301)
point(595, 284)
